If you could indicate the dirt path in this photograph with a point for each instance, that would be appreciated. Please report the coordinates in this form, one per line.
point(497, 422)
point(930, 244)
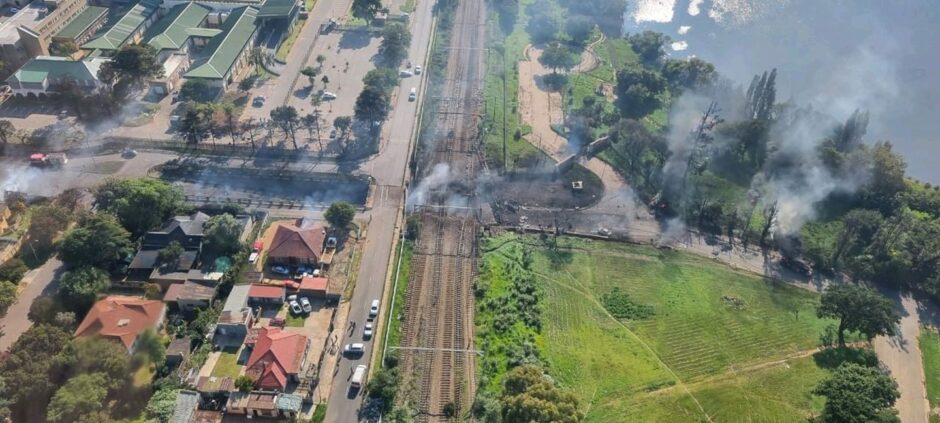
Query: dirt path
point(901, 354)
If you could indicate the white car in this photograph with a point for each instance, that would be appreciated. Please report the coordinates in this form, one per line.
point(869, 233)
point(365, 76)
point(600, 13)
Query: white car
point(356, 348)
point(404, 73)
point(253, 257)
point(418, 70)
point(374, 310)
point(413, 95)
point(292, 297)
point(305, 303)
point(367, 331)
point(295, 308)
point(328, 96)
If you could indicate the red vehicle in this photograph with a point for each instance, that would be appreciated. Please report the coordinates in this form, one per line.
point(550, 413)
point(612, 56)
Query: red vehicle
point(258, 245)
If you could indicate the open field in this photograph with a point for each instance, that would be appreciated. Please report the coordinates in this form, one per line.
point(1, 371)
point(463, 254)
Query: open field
point(930, 348)
point(727, 343)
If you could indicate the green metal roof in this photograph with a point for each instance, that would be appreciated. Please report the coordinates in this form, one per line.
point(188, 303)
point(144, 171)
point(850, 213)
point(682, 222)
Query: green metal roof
point(223, 50)
point(277, 8)
point(171, 32)
point(115, 36)
point(203, 32)
point(81, 22)
point(43, 67)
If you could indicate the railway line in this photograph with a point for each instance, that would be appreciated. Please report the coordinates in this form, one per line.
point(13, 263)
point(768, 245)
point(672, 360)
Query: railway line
point(437, 336)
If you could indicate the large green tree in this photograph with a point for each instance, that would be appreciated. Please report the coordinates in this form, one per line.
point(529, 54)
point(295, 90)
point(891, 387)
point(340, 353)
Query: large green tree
point(395, 42)
point(82, 398)
point(223, 233)
point(287, 118)
point(530, 396)
point(92, 354)
point(46, 223)
point(80, 287)
point(98, 240)
point(372, 105)
point(366, 9)
point(858, 394)
point(140, 204)
point(134, 63)
point(340, 214)
point(7, 296)
point(579, 28)
point(638, 91)
point(558, 56)
point(689, 73)
point(13, 270)
point(858, 309)
point(649, 45)
point(26, 368)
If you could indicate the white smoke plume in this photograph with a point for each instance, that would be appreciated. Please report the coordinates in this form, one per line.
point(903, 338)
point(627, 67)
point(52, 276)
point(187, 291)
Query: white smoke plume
point(439, 177)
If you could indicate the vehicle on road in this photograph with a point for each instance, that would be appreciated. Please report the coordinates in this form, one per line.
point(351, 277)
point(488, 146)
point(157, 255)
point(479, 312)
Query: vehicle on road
point(175, 119)
point(258, 101)
point(253, 257)
point(328, 95)
point(374, 310)
point(55, 160)
point(358, 376)
point(404, 73)
point(295, 308)
point(354, 349)
point(418, 70)
point(305, 304)
point(367, 331)
point(413, 95)
point(280, 270)
point(128, 153)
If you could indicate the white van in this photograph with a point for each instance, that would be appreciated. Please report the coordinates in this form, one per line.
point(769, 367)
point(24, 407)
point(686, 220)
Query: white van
point(413, 95)
point(359, 376)
point(354, 349)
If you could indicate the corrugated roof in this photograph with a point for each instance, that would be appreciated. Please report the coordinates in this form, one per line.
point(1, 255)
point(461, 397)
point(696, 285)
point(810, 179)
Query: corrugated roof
point(40, 68)
point(277, 8)
point(289, 402)
point(172, 31)
point(186, 402)
point(80, 23)
point(115, 36)
point(223, 50)
point(266, 291)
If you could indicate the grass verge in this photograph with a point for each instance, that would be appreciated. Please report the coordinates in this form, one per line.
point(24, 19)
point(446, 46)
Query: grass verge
point(408, 6)
point(930, 350)
point(398, 297)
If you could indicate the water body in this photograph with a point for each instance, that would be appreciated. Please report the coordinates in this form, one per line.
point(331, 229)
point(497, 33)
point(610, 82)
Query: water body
point(837, 55)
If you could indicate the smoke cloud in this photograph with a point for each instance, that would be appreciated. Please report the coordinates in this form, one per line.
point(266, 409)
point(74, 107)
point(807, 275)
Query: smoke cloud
point(440, 176)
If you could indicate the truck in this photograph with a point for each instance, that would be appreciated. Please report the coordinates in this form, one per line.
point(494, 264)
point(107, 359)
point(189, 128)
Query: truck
point(55, 160)
point(359, 376)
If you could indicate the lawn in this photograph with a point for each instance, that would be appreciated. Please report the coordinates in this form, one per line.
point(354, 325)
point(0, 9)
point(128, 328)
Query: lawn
point(408, 6)
point(294, 321)
point(930, 349)
point(717, 339)
point(227, 365)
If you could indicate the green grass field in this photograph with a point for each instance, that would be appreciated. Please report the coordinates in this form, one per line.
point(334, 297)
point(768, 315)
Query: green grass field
point(930, 349)
point(398, 301)
point(227, 364)
point(718, 339)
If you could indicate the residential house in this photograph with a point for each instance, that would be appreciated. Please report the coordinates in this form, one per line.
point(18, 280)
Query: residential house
point(297, 243)
point(188, 231)
point(266, 295)
point(254, 404)
point(128, 29)
point(235, 319)
point(122, 319)
point(227, 56)
point(289, 405)
point(45, 74)
point(314, 287)
point(28, 33)
point(277, 358)
point(215, 390)
point(191, 294)
point(178, 351)
point(82, 27)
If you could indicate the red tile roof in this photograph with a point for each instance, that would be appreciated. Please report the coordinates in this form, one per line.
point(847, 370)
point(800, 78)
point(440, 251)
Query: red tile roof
point(121, 318)
point(277, 354)
point(265, 291)
point(299, 242)
point(311, 283)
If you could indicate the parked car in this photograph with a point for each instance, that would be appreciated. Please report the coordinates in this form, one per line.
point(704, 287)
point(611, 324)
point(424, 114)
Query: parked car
point(374, 310)
point(367, 331)
point(292, 297)
point(417, 69)
point(257, 245)
point(280, 270)
point(258, 101)
point(358, 377)
point(328, 95)
point(304, 269)
point(277, 322)
point(253, 257)
point(295, 308)
point(305, 304)
point(413, 95)
point(354, 349)
point(331, 242)
point(405, 73)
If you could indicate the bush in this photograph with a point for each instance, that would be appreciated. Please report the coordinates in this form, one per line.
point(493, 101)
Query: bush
point(13, 270)
point(619, 305)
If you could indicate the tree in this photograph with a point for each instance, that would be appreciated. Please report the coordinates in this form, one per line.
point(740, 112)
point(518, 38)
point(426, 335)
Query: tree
point(543, 23)
point(223, 234)
point(858, 309)
point(244, 383)
point(193, 125)
point(46, 223)
point(649, 45)
point(7, 296)
point(140, 204)
point(133, 62)
point(80, 397)
point(311, 121)
point(43, 310)
point(65, 49)
point(6, 131)
point(366, 9)
point(311, 74)
point(558, 56)
point(384, 79)
point(689, 73)
point(170, 255)
point(13, 270)
point(638, 91)
point(887, 179)
point(230, 119)
point(91, 354)
point(395, 42)
point(340, 214)
point(246, 84)
point(80, 287)
point(529, 396)
point(286, 117)
point(98, 240)
point(761, 96)
point(5, 401)
point(27, 365)
point(384, 386)
point(858, 394)
point(162, 404)
point(151, 346)
point(325, 80)
point(343, 124)
point(372, 105)
point(196, 90)
point(579, 28)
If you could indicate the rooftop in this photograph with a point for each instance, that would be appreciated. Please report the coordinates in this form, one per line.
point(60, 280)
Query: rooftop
point(190, 290)
point(298, 240)
point(122, 318)
point(179, 346)
point(82, 22)
point(276, 355)
point(224, 49)
point(28, 16)
point(289, 402)
point(186, 402)
point(277, 8)
point(209, 384)
point(266, 291)
point(253, 400)
point(237, 299)
point(311, 283)
point(115, 36)
point(148, 259)
point(172, 31)
point(42, 68)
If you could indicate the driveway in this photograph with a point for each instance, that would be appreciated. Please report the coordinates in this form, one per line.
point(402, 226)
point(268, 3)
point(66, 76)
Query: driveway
point(41, 281)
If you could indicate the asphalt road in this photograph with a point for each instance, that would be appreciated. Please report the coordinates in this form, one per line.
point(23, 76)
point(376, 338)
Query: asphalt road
point(388, 168)
point(42, 281)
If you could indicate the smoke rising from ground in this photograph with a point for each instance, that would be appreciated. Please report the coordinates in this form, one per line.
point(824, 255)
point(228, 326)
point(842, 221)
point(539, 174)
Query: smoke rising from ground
point(440, 176)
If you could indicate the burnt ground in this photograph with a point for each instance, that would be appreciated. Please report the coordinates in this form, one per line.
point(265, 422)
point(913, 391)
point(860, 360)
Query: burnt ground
point(543, 190)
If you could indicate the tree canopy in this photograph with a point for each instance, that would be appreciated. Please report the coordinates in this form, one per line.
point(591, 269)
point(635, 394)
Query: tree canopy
point(340, 214)
point(649, 45)
point(858, 309)
point(395, 42)
point(80, 287)
point(7, 296)
point(81, 398)
point(688, 73)
point(26, 367)
point(366, 9)
point(98, 240)
point(13, 270)
point(46, 223)
point(372, 104)
point(132, 62)
point(558, 56)
point(638, 91)
point(140, 204)
point(222, 234)
point(529, 396)
point(858, 394)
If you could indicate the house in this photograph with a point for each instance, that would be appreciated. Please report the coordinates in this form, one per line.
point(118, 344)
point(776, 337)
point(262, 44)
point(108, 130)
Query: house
point(227, 56)
point(297, 243)
point(185, 409)
point(29, 32)
point(178, 351)
point(45, 74)
point(129, 29)
point(191, 294)
point(188, 231)
point(278, 357)
point(82, 27)
point(314, 287)
point(278, 15)
point(214, 389)
point(235, 319)
point(262, 295)
point(254, 404)
point(289, 405)
point(122, 319)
